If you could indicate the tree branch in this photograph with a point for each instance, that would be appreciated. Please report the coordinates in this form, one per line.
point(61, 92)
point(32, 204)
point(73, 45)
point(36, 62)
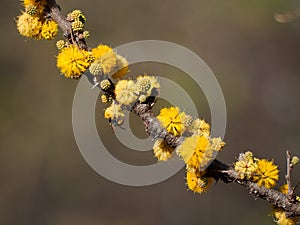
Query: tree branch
point(217, 169)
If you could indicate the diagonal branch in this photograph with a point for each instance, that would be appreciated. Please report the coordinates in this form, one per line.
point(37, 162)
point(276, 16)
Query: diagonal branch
point(217, 169)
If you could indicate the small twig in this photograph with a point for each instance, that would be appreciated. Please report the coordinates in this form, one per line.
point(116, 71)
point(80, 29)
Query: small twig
point(289, 167)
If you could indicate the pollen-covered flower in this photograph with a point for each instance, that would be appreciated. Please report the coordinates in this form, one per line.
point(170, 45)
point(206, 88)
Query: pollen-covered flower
point(246, 165)
point(266, 173)
point(72, 61)
point(195, 151)
point(146, 84)
point(105, 57)
point(49, 30)
point(197, 181)
point(162, 150)
point(281, 219)
point(115, 114)
point(125, 92)
point(173, 120)
point(245, 169)
point(28, 26)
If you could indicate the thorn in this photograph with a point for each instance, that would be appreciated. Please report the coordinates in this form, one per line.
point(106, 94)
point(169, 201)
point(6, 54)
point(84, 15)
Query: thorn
point(95, 85)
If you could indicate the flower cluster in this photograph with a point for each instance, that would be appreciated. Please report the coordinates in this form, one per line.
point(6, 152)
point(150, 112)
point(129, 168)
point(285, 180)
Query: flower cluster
point(32, 23)
point(263, 172)
point(101, 61)
point(126, 93)
point(197, 149)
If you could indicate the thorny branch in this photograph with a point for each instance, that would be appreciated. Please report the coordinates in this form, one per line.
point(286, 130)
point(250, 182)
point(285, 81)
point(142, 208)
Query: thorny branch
point(217, 169)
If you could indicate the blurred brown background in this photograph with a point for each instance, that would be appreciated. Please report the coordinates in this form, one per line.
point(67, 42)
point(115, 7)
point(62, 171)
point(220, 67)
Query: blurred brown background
point(45, 180)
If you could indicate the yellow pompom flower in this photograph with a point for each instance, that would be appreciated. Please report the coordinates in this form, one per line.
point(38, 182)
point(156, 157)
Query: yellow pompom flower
point(281, 219)
point(49, 30)
point(162, 150)
point(28, 26)
point(105, 57)
point(194, 151)
point(121, 67)
point(125, 92)
point(146, 84)
point(245, 168)
point(197, 181)
point(246, 165)
point(115, 114)
point(266, 173)
point(72, 61)
point(173, 120)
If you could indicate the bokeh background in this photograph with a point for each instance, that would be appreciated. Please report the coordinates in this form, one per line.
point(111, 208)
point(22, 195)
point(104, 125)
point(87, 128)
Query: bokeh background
point(45, 180)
